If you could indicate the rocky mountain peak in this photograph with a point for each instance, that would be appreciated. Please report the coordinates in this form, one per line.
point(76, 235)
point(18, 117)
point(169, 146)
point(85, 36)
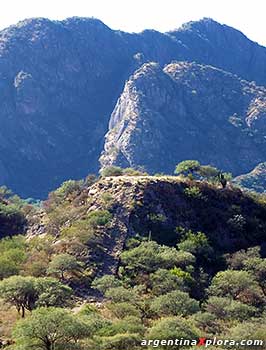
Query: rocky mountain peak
point(199, 25)
point(163, 118)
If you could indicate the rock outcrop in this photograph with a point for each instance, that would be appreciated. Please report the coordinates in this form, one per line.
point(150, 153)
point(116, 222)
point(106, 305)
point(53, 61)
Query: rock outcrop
point(255, 180)
point(187, 111)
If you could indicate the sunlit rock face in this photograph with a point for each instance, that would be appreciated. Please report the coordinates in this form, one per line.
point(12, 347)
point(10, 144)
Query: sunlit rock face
point(187, 111)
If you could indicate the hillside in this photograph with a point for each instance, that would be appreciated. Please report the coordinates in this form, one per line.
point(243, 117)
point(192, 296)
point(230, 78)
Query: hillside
point(54, 78)
point(187, 111)
point(111, 262)
point(205, 38)
point(61, 80)
point(155, 207)
point(254, 180)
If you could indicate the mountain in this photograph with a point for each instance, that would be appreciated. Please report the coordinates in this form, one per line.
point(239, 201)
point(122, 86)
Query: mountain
point(237, 54)
point(187, 111)
point(255, 180)
point(60, 81)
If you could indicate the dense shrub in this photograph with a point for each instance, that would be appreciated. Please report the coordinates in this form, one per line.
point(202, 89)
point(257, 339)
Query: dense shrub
point(112, 171)
point(50, 328)
point(174, 303)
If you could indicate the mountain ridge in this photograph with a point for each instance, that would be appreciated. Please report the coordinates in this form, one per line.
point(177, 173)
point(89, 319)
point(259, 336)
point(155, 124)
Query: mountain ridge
point(60, 81)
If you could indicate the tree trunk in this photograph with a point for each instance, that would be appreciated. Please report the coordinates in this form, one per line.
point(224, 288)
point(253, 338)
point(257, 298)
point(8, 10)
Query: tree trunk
point(23, 312)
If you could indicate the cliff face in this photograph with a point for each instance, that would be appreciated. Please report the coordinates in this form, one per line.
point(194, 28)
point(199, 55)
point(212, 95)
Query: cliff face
point(60, 81)
point(187, 111)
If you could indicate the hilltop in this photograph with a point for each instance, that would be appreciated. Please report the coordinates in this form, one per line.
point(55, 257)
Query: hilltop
point(150, 206)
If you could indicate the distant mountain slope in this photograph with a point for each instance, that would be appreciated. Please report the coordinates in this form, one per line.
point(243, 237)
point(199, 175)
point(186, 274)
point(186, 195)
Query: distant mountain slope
point(187, 111)
point(254, 180)
point(237, 54)
point(60, 81)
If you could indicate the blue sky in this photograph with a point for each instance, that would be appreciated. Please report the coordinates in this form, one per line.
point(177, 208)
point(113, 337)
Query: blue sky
point(136, 15)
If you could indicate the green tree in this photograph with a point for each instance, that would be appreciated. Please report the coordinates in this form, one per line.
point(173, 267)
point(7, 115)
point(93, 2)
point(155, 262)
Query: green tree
point(163, 281)
point(12, 219)
point(112, 171)
point(184, 276)
point(99, 218)
point(123, 309)
point(173, 328)
point(129, 324)
point(255, 330)
point(14, 242)
point(207, 172)
point(69, 188)
point(12, 256)
point(196, 244)
point(239, 285)
point(52, 292)
point(174, 303)
point(50, 328)
point(187, 167)
point(5, 192)
point(244, 259)
point(83, 231)
point(260, 275)
point(62, 264)
point(20, 292)
point(120, 342)
point(134, 172)
point(150, 256)
point(121, 294)
point(227, 308)
point(252, 262)
point(208, 323)
point(7, 267)
point(214, 175)
point(36, 264)
point(105, 282)
point(26, 293)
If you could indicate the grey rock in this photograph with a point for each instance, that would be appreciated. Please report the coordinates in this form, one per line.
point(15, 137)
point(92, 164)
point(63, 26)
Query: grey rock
point(187, 111)
point(255, 180)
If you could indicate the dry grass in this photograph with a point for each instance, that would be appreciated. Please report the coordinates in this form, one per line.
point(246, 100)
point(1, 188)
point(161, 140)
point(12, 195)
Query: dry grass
point(8, 317)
